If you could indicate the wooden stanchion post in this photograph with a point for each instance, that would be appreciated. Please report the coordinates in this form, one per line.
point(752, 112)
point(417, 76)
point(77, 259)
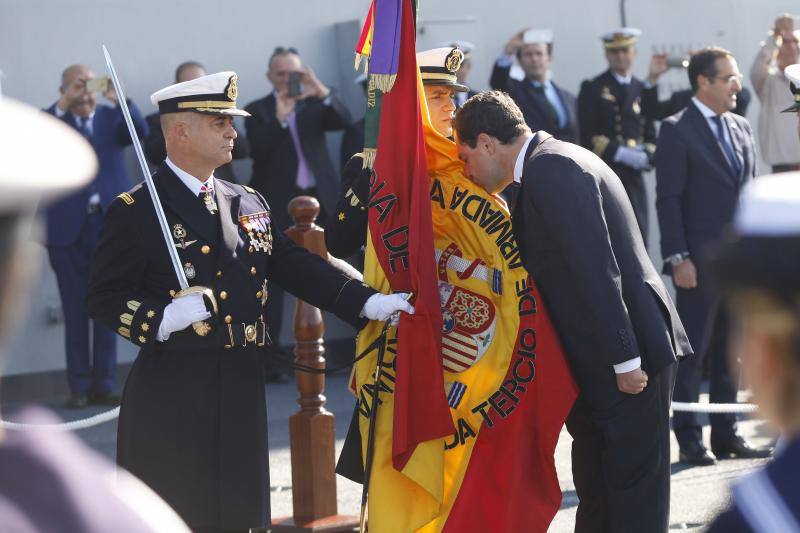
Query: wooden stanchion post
point(312, 428)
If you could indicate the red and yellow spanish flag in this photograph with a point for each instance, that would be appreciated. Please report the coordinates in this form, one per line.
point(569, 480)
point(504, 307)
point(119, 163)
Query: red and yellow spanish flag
point(498, 361)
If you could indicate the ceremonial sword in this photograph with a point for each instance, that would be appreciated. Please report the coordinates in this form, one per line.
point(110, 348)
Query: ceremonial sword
point(201, 328)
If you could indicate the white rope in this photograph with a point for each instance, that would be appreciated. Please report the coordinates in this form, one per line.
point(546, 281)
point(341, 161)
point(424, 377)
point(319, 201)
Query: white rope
point(67, 426)
point(714, 407)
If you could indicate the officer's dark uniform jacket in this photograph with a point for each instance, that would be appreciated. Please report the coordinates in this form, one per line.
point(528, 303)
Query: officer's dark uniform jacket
point(610, 116)
point(347, 232)
point(768, 500)
point(193, 422)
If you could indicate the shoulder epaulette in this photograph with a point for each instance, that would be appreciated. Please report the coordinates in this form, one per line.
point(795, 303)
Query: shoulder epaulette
point(127, 198)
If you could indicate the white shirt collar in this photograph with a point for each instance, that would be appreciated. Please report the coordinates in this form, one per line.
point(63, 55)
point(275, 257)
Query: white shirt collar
point(194, 184)
point(704, 109)
point(518, 166)
point(623, 80)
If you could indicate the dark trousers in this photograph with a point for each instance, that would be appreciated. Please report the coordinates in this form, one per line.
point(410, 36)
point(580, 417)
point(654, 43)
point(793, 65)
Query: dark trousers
point(706, 324)
point(89, 369)
point(620, 461)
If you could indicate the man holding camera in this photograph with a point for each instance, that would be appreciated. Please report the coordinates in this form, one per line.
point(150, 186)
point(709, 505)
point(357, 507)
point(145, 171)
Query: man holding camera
point(73, 224)
point(286, 131)
point(545, 105)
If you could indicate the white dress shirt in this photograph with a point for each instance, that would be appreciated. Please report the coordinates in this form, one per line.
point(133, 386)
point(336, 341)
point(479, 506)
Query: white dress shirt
point(709, 115)
point(94, 199)
point(194, 184)
point(621, 368)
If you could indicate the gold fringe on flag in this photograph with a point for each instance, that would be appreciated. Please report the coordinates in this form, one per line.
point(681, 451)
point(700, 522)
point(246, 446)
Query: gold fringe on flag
point(369, 155)
point(384, 82)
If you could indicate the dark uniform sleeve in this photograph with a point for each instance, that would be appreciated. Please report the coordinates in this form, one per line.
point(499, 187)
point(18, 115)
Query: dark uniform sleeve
point(499, 78)
point(313, 280)
point(655, 109)
point(571, 205)
point(114, 297)
point(335, 116)
point(347, 232)
point(591, 138)
point(671, 171)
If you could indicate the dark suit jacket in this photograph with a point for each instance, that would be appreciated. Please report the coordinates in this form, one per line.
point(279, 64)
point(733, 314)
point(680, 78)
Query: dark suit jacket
point(610, 116)
point(274, 157)
point(696, 188)
point(579, 240)
point(352, 142)
point(156, 151)
point(535, 106)
point(109, 138)
point(656, 109)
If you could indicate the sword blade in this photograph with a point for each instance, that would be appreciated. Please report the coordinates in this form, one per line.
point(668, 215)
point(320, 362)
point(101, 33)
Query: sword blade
point(137, 146)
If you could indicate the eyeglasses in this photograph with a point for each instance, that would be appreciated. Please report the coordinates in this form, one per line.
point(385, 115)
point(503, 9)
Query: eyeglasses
point(730, 78)
point(279, 50)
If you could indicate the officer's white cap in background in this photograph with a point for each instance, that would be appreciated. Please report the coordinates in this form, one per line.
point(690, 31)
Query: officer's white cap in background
point(621, 38)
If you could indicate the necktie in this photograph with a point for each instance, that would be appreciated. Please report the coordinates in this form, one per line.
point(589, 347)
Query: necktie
point(207, 195)
point(729, 153)
point(553, 113)
point(83, 127)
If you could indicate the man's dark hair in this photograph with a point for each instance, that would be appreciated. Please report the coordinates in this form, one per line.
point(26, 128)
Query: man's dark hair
point(185, 65)
point(704, 63)
point(549, 49)
point(493, 113)
point(282, 51)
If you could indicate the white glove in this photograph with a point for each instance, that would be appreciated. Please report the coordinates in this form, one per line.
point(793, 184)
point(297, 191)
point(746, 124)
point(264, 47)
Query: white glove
point(383, 306)
point(632, 157)
point(182, 313)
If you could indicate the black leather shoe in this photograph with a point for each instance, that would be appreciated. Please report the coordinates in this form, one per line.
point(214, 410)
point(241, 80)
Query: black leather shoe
point(104, 398)
point(77, 401)
point(695, 453)
point(739, 448)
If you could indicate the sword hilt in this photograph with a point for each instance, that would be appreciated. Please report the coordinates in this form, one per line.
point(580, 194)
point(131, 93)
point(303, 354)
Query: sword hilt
point(202, 328)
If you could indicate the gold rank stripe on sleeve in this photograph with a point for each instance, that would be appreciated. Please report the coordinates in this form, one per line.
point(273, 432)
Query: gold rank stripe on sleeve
point(126, 319)
point(127, 198)
point(133, 305)
point(125, 332)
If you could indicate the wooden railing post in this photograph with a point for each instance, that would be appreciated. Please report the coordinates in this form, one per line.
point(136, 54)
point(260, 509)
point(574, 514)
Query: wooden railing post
point(312, 428)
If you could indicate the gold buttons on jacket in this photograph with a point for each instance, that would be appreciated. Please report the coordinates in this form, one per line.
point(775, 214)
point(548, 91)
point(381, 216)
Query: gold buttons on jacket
point(228, 319)
point(172, 293)
point(259, 294)
point(251, 249)
point(223, 295)
point(219, 273)
point(206, 249)
point(253, 270)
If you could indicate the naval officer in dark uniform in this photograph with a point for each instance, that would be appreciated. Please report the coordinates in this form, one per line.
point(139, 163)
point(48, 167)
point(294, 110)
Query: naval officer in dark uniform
point(193, 422)
point(611, 121)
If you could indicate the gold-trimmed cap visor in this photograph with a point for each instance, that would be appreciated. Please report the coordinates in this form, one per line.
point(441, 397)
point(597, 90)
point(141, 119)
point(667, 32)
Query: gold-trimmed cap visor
point(621, 38)
point(212, 94)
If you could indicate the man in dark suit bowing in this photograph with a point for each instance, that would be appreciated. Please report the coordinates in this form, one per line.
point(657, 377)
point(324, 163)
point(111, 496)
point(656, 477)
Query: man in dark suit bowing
point(579, 240)
point(545, 105)
point(72, 226)
point(705, 155)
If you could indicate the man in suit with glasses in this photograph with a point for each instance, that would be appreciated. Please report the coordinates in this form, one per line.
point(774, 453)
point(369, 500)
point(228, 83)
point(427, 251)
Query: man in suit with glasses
point(705, 155)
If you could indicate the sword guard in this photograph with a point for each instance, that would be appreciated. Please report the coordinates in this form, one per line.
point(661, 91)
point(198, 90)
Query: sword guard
point(202, 328)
